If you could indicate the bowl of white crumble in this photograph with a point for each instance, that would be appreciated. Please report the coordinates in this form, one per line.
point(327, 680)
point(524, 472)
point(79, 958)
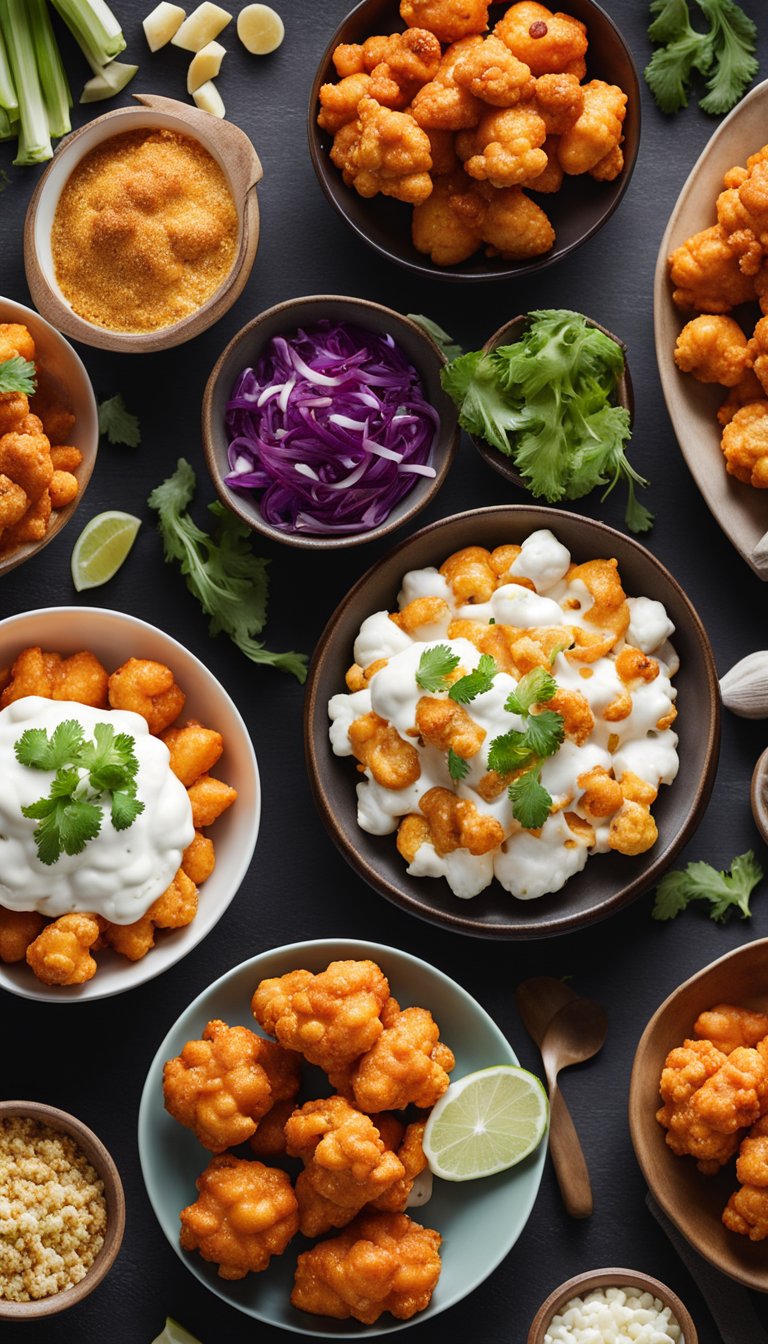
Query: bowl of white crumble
point(606, 1306)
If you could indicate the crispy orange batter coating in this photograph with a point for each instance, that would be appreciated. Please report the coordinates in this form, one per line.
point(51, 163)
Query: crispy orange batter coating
point(331, 1018)
point(470, 574)
point(378, 746)
point(18, 928)
point(444, 104)
point(449, 20)
point(149, 689)
point(705, 274)
point(545, 41)
point(408, 60)
point(199, 859)
point(758, 353)
point(551, 179)
point(752, 1162)
point(245, 1213)
point(505, 148)
point(222, 1085)
point(513, 226)
point(346, 1164)
point(61, 953)
point(602, 794)
point(456, 823)
point(353, 58)
point(438, 230)
point(409, 1146)
point(597, 133)
point(492, 73)
point(559, 101)
point(408, 1065)
point(608, 612)
point(686, 1070)
point(727, 1026)
point(194, 751)
point(381, 1262)
point(445, 724)
point(209, 798)
point(269, 1140)
point(747, 1212)
point(632, 829)
point(339, 102)
point(745, 444)
point(749, 389)
point(714, 349)
point(735, 1096)
point(174, 909)
point(385, 152)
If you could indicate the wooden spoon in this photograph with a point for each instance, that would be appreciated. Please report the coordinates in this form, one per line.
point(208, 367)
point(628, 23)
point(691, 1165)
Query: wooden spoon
point(575, 1034)
point(539, 999)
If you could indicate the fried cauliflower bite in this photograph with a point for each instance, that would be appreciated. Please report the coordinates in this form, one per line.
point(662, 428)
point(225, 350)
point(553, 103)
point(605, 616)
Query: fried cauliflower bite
point(57, 419)
point(330, 1018)
point(705, 274)
point(61, 953)
point(551, 179)
point(748, 389)
point(741, 229)
point(174, 909)
point(445, 724)
point(506, 147)
point(32, 527)
point(63, 489)
point(194, 750)
point(346, 1164)
point(735, 1096)
point(492, 73)
point(714, 349)
point(470, 575)
point(449, 20)
point(245, 1213)
point(608, 611)
point(547, 42)
point(729, 1027)
point(381, 1262)
point(747, 1212)
point(339, 102)
point(559, 101)
point(409, 1147)
point(65, 457)
point(14, 407)
point(443, 104)
point(456, 823)
point(687, 1068)
point(221, 1086)
point(393, 762)
point(25, 457)
point(438, 230)
point(758, 354)
point(80, 677)
point(209, 798)
point(514, 227)
point(602, 795)
point(353, 58)
point(598, 130)
point(13, 502)
point(408, 1065)
point(685, 1071)
point(745, 444)
point(18, 928)
point(15, 339)
point(199, 859)
point(149, 689)
point(387, 153)
point(269, 1140)
point(632, 829)
point(752, 1162)
point(408, 61)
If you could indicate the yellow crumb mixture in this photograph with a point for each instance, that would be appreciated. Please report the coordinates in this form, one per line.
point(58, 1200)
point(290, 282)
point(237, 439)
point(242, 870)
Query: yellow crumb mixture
point(144, 232)
point(52, 1211)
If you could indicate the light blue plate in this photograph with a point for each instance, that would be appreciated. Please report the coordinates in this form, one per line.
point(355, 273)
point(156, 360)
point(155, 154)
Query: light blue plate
point(479, 1220)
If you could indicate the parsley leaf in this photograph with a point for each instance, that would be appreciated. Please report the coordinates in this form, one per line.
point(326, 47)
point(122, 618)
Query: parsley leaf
point(221, 571)
point(700, 881)
point(535, 688)
point(18, 375)
point(119, 425)
point(724, 55)
point(441, 338)
point(474, 683)
point(457, 766)
point(471, 381)
point(734, 39)
point(435, 667)
point(530, 800)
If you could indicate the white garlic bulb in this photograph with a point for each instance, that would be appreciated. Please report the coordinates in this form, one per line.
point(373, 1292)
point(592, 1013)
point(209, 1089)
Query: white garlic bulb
point(745, 687)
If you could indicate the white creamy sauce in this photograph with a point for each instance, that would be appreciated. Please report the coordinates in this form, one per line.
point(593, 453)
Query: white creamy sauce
point(528, 864)
point(119, 873)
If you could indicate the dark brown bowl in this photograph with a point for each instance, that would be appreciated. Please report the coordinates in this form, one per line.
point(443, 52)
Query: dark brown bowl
point(577, 211)
point(581, 1284)
point(692, 1201)
point(246, 346)
point(105, 1168)
point(610, 881)
point(507, 335)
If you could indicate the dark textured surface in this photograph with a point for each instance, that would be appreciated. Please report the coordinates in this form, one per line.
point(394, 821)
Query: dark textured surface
point(92, 1059)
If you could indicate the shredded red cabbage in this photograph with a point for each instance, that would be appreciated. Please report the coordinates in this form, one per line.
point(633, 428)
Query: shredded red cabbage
point(332, 426)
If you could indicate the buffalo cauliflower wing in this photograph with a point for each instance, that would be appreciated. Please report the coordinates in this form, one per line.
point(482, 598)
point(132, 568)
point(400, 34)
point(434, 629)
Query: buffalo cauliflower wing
point(61, 953)
point(492, 73)
point(747, 1212)
point(408, 1144)
point(745, 444)
point(245, 1213)
point(686, 1069)
point(449, 20)
point(752, 1162)
point(714, 349)
point(149, 689)
point(444, 104)
point(386, 152)
point(331, 1018)
point(705, 274)
point(728, 1026)
point(408, 61)
point(505, 148)
point(80, 677)
point(735, 1095)
point(408, 1065)
point(597, 132)
point(547, 42)
point(438, 230)
point(18, 928)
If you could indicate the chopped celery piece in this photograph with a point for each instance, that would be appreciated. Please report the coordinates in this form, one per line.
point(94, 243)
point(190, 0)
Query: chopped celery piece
point(9, 130)
point(95, 29)
point(34, 137)
point(8, 100)
point(108, 81)
point(53, 81)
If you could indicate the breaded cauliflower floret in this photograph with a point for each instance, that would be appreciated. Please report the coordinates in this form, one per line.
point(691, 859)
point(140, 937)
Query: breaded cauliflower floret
point(222, 1085)
point(608, 613)
point(352, 58)
point(728, 1026)
point(705, 274)
point(18, 928)
point(246, 1212)
point(331, 1018)
point(445, 724)
point(449, 20)
point(385, 152)
point(735, 1096)
point(714, 349)
point(61, 954)
point(752, 1162)
point(747, 1212)
point(16, 339)
point(559, 102)
point(194, 751)
point(199, 859)
point(748, 389)
point(14, 406)
point(346, 1164)
point(514, 227)
point(209, 798)
point(269, 1140)
point(80, 677)
point(408, 61)
point(63, 488)
point(745, 444)
point(551, 179)
point(381, 1262)
point(393, 762)
point(505, 149)
point(408, 1065)
point(13, 502)
point(339, 102)
point(632, 829)
point(470, 575)
point(598, 130)
point(149, 689)
point(687, 1068)
point(409, 1147)
point(25, 457)
point(490, 72)
point(578, 719)
point(758, 353)
point(174, 908)
point(457, 823)
point(602, 795)
point(547, 42)
point(443, 104)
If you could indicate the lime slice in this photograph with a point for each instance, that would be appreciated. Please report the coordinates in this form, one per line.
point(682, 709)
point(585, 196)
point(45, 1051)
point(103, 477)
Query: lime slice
point(175, 1334)
point(102, 547)
point(485, 1122)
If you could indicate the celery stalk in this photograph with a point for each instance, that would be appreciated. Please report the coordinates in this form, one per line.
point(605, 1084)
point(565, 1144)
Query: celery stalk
point(8, 100)
point(53, 81)
point(34, 137)
point(9, 130)
point(95, 29)
point(108, 81)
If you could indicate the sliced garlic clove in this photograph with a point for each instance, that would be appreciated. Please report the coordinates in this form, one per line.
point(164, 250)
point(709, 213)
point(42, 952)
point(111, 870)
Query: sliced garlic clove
point(260, 29)
point(205, 65)
point(162, 24)
point(203, 25)
point(208, 99)
point(744, 688)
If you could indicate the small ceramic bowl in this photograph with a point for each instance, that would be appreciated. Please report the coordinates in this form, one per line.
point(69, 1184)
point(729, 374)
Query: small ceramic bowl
point(692, 1201)
point(105, 1168)
point(479, 1221)
point(609, 881)
point(62, 371)
point(581, 1284)
point(115, 636)
point(577, 211)
point(507, 335)
point(758, 794)
point(244, 350)
point(234, 153)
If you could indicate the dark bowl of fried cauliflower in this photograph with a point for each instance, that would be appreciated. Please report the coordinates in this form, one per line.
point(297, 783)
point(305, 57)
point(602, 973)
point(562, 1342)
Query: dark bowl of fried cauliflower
point(472, 141)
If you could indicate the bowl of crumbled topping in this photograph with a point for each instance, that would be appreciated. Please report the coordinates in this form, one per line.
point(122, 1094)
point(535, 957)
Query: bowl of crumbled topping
point(607, 1306)
point(62, 1210)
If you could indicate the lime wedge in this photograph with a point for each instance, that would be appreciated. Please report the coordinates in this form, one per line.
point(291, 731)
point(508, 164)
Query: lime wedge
point(102, 547)
point(485, 1122)
point(175, 1334)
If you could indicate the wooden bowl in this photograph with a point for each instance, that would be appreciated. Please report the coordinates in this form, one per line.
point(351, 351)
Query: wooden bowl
point(610, 881)
point(758, 794)
point(105, 1168)
point(694, 1202)
point(507, 335)
point(581, 1284)
point(577, 211)
point(245, 348)
point(234, 153)
point(61, 370)
point(740, 509)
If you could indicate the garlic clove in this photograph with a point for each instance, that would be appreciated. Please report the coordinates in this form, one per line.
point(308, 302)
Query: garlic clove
point(744, 688)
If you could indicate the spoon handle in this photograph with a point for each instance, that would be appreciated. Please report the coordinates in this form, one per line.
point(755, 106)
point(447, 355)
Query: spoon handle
point(568, 1158)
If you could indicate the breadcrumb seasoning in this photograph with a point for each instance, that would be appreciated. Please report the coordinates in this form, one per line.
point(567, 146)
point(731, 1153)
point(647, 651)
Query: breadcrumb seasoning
point(52, 1211)
point(145, 231)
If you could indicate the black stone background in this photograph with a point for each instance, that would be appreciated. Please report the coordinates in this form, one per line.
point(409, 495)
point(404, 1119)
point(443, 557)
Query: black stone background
point(92, 1058)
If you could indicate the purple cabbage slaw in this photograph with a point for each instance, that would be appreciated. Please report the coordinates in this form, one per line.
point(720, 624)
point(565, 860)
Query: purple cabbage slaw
point(333, 426)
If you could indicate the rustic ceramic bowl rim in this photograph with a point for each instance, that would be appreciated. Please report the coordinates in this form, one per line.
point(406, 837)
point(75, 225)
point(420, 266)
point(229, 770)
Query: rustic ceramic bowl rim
point(516, 270)
point(757, 794)
point(610, 1278)
point(465, 924)
point(421, 494)
point(102, 1161)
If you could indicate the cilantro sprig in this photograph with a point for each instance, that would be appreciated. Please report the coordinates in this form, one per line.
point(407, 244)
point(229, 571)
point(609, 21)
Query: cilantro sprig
point(119, 424)
point(435, 667)
point(724, 54)
point(18, 375)
point(458, 768)
point(474, 683)
point(86, 772)
point(539, 738)
point(725, 891)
